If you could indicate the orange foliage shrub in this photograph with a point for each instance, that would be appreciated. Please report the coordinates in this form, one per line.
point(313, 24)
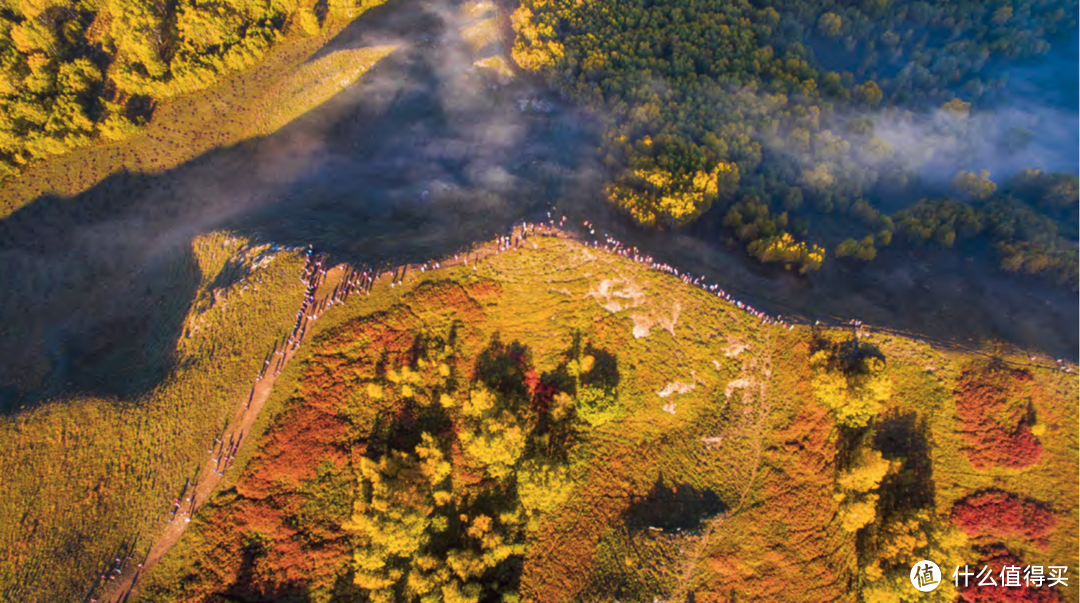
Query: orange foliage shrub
point(996, 559)
point(993, 409)
point(1003, 515)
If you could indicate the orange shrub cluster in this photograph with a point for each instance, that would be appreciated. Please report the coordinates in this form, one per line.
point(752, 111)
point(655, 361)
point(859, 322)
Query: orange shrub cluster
point(993, 410)
point(1004, 515)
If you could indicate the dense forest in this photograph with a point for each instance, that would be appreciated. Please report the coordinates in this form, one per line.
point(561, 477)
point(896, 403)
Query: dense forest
point(769, 110)
point(76, 71)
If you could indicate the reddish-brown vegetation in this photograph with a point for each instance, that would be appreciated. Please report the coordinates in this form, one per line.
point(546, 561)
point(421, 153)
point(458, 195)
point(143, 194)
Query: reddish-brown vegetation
point(993, 410)
point(259, 548)
point(793, 543)
point(995, 560)
point(280, 537)
point(1000, 514)
point(446, 297)
point(732, 497)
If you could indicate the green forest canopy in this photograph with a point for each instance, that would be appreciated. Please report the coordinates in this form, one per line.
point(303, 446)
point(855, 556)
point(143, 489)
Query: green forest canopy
point(725, 101)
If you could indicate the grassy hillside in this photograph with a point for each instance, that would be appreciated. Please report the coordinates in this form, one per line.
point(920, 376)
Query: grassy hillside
point(559, 423)
point(254, 102)
point(89, 480)
point(78, 72)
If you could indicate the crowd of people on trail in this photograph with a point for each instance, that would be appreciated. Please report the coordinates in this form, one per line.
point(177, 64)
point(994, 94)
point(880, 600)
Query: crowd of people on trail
point(313, 275)
point(611, 244)
point(356, 280)
point(115, 569)
point(183, 506)
point(520, 233)
point(223, 453)
point(362, 279)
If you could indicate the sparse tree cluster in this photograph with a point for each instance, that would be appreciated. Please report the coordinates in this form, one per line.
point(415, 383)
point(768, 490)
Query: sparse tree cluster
point(1019, 221)
point(463, 469)
point(850, 379)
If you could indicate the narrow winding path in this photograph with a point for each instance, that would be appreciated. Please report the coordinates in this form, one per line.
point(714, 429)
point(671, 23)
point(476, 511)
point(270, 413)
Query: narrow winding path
point(762, 371)
point(326, 287)
point(227, 444)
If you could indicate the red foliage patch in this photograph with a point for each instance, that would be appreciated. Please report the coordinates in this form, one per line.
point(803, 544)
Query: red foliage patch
point(290, 454)
point(532, 381)
point(449, 298)
point(996, 560)
point(1003, 515)
point(992, 406)
point(284, 571)
point(269, 498)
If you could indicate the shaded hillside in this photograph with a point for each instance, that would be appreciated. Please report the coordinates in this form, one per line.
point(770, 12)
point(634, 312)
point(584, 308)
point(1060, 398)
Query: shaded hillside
point(89, 479)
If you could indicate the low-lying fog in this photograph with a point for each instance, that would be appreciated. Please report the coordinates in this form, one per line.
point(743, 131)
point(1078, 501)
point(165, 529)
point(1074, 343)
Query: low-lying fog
point(420, 157)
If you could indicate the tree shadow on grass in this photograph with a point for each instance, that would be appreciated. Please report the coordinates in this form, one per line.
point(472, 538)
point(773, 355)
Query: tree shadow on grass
point(502, 368)
point(605, 365)
point(902, 436)
point(630, 552)
point(250, 587)
point(672, 507)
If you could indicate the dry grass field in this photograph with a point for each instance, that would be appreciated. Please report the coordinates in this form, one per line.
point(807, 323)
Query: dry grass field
point(717, 475)
point(254, 102)
point(88, 480)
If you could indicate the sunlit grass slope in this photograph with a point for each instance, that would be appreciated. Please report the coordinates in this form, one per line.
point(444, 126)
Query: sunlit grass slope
point(255, 102)
point(722, 468)
point(87, 480)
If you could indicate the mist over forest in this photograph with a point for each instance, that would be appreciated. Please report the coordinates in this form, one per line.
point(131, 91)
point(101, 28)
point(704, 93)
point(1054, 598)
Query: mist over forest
point(1028, 120)
point(815, 177)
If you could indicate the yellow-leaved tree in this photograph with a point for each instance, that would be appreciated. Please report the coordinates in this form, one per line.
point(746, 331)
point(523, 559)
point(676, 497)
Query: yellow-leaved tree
point(784, 249)
point(495, 436)
point(851, 380)
point(536, 47)
point(454, 475)
point(857, 488)
point(900, 542)
point(655, 196)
